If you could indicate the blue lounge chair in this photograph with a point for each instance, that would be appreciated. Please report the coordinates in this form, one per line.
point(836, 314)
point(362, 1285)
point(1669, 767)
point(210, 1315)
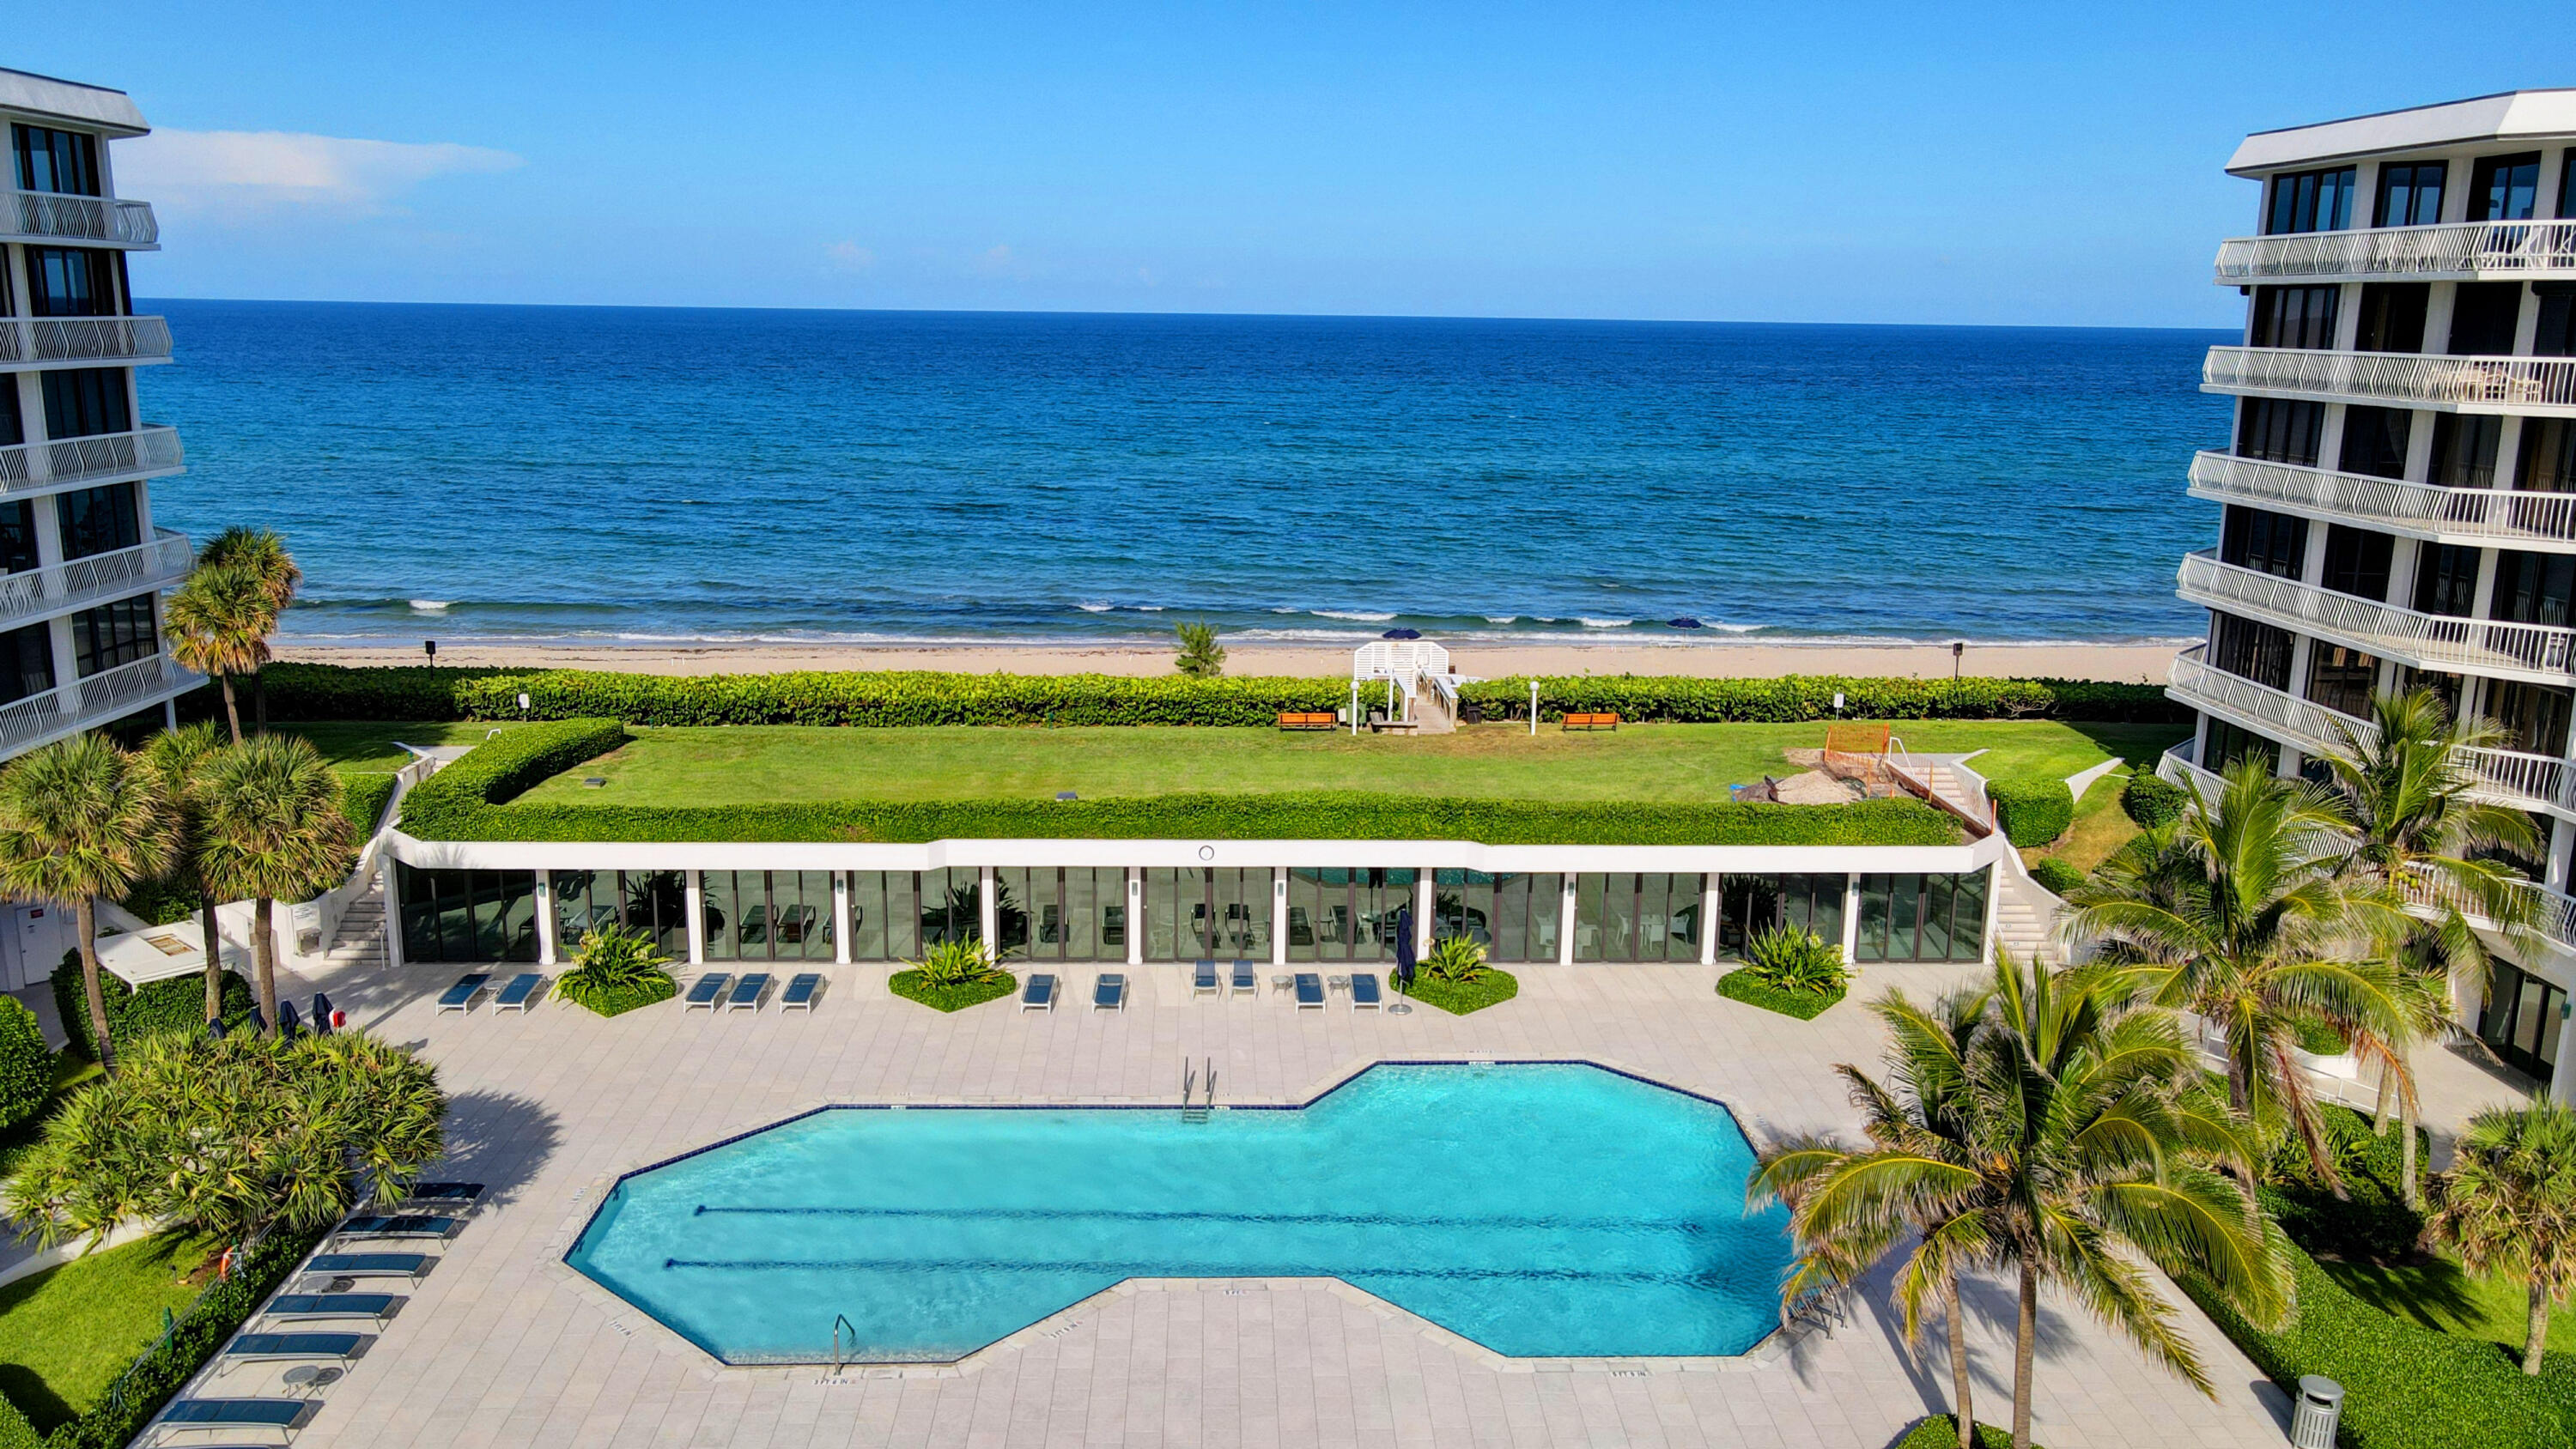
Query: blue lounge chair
point(706, 991)
point(1203, 979)
point(460, 997)
point(1109, 992)
point(1039, 994)
point(1246, 980)
point(315, 1307)
point(414, 1266)
point(524, 990)
point(801, 991)
point(751, 992)
point(445, 1197)
point(284, 1415)
point(1364, 992)
point(400, 1225)
point(279, 1347)
point(1310, 991)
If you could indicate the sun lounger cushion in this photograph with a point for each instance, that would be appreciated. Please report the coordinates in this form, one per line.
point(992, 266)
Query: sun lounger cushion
point(1039, 993)
point(1203, 977)
point(1247, 976)
point(401, 1225)
point(748, 991)
point(1109, 993)
point(293, 1306)
point(370, 1265)
point(799, 995)
point(460, 997)
point(299, 1345)
point(706, 990)
point(1310, 991)
point(1364, 992)
point(522, 990)
point(287, 1414)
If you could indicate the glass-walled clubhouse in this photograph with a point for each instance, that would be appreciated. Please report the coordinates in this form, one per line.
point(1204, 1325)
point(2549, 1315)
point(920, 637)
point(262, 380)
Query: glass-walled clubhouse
point(1140, 915)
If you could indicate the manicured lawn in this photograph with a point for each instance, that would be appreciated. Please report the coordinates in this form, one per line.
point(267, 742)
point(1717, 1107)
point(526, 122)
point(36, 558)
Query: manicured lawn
point(365, 745)
point(2100, 828)
point(2440, 1295)
point(1660, 763)
point(67, 1332)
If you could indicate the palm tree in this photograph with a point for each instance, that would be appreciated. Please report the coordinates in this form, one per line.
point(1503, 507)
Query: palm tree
point(274, 828)
point(2416, 830)
point(179, 758)
point(2236, 912)
point(81, 819)
point(1848, 1209)
point(263, 554)
point(2508, 1204)
point(219, 622)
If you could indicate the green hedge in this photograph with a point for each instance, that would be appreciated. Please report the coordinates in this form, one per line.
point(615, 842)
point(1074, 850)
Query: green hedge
point(26, 1064)
point(303, 692)
point(955, 997)
point(1799, 698)
point(1459, 998)
point(362, 798)
point(1941, 1431)
point(2372, 1219)
point(2152, 800)
point(500, 768)
point(1746, 985)
point(2032, 809)
point(15, 1431)
point(2056, 876)
point(175, 1003)
point(618, 1000)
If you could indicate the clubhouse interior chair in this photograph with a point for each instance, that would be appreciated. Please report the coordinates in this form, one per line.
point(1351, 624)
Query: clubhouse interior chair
point(1109, 992)
point(460, 997)
point(801, 990)
point(706, 991)
point(1039, 993)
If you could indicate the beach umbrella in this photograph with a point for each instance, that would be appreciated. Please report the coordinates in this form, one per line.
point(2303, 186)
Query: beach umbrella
point(1684, 622)
point(321, 1014)
point(287, 1025)
point(1404, 946)
point(1401, 634)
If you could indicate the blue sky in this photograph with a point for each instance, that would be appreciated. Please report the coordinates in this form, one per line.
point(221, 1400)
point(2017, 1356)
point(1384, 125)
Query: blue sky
point(2053, 164)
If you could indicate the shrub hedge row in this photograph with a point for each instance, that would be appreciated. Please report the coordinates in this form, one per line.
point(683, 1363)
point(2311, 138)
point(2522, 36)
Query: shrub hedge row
point(2056, 875)
point(498, 769)
point(26, 1065)
point(954, 996)
point(362, 799)
point(2032, 809)
point(1941, 1431)
point(1458, 998)
point(176, 1003)
point(1799, 698)
point(2151, 800)
point(1746, 985)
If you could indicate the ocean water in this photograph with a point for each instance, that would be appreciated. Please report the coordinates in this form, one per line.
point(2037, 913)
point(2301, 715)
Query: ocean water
point(642, 475)
point(1541, 1210)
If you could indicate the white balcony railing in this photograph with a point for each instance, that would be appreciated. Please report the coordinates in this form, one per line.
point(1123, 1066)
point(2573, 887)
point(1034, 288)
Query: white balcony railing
point(2545, 385)
point(83, 703)
point(43, 216)
point(147, 452)
point(2536, 652)
point(2176, 768)
point(79, 341)
point(55, 587)
point(2444, 515)
point(2452, 251)
point(2554, 917)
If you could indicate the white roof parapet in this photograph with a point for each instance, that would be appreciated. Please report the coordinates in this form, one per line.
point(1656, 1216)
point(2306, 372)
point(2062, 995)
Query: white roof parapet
point(43, 96)
point(2512, 115)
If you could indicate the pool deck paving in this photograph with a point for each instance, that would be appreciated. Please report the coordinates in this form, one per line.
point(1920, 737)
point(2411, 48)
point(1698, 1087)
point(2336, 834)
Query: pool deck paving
point(503, 1345)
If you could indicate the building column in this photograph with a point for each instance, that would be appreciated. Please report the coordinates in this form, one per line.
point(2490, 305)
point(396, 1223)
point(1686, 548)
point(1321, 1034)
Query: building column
point(989, 908)
point(1423, 898)
point(1279, 915)
point(1711, 901)
point(842, 927)
point(696, 899)
point(1851, 918)
point(544, 895)
point(393, 912)
point(1135, 915)
point(2562, 1082)
point(1565, 923)
point(170, 715)
point(1994, 898)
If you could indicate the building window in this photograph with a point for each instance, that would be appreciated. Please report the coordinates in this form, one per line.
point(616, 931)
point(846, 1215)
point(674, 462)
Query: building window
point(1075, 913)
point(26, 662)
point(2392, 316)
point(2521, 1019)
point(2259, 539)
point(2295, 316)
point(1748, 905)
point(2357, 561)
point(2224, 745)
point(2446, 579)
point(2556, 334)
point(2533, 588)
point(71, 282)
point(2567, 185)
point(17, 536)
point(13, 429)
point(2504, 188)
point(467, 916)
point(62, 162)
point(2310, 201)
point(83, 402)
point(2533, 716)
point(2249, 650)
point(2464, 449)
point(2410, 195)
point(1922, 918)
point(98, 520)
point(2374, 441)
point(895, 913)
point(114, 634)
point(1202, 913)
point(1638, 916)
point(767, 915)
point(2279, 431)
point(1346, 915)
point(1515, 915)
point(653, 902)
point(2445, 687)
point(2548, 456)
point(2483, 318)
point(2341, 679)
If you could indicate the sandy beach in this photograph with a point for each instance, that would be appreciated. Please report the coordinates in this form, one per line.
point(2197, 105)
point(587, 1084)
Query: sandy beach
point(2145, 663)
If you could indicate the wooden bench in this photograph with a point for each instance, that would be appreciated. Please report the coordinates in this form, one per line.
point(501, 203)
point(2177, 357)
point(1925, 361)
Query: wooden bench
point(1290, 720)
point(1592, 721)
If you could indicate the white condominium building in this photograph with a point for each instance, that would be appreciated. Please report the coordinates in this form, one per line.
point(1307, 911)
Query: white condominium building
point(81, 566)
point(2400, 493)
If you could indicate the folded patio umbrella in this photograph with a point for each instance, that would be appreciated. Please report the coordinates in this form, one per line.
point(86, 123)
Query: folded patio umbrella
point(215, 1028)
point(287, 1025)
point(1404, 945)
point(321, 1014)
point(258, 1023)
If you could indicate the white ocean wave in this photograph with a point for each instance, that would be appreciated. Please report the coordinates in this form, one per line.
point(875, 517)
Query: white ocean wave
point(431, 606)
point(1603, 623)
point(1502, 618)
point(1091, 608)
point(1356, 616)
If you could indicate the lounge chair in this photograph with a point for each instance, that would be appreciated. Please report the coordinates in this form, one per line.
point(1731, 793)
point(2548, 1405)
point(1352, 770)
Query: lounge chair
point(706, 991)
point(1246, 980)
point(401, 1225)
point(314, 1307)
point(460, 997)
point(1039, 993)
point(444, 1192)
point(751, 992)
point(284, 1415)
point(1109, 992)
point(1364, 992)
point(525, 990)
point(800, 992)
point(1203, 979)
point(1310, 991)
point(279, 1347)
point(414, 1266)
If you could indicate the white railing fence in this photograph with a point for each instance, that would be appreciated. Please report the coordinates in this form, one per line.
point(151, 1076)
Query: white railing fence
point(2520, 382)
point(78, 218)
point(2520, 248)
point(84, 339)
point(123, 571)
point(2420, 639)
point(152, 450)
point(84, 702)
point(2484, 513)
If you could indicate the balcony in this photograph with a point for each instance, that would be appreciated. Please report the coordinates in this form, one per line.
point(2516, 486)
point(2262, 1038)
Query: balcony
point(2453, 252)
point(2539, 386)
point(147, 452)
point(57, 587)
point(2473, 516)
point(83, 704)
point(2535, 652)
point(2175, 767)
point(40, 216)
point(2507, 777)
point(49, 342)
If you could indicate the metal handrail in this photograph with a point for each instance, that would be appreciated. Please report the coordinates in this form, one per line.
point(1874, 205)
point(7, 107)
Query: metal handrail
point(84, 339)
point(2492, 646)
point(56, 587)
point(839, 1322)
point(78, 218)
point(2452, 249)
point(2421, 509)
point(2520, 384)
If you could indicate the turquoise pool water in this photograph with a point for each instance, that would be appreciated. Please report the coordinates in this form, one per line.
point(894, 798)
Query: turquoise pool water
point(1541, 1210)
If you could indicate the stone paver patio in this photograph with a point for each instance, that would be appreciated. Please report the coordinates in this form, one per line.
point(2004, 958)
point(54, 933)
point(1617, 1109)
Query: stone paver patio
point(503, 1345)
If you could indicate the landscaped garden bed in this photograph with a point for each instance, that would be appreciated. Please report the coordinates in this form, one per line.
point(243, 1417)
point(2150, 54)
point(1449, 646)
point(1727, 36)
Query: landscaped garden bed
point(1458, 998)
point(912, 985)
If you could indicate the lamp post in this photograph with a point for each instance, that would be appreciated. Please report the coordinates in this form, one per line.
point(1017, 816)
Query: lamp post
point(1533, 706)
point(1958, 651)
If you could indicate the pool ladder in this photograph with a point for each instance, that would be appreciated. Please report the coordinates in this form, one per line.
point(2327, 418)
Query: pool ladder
point(1192, 1082)
point(839, 1322)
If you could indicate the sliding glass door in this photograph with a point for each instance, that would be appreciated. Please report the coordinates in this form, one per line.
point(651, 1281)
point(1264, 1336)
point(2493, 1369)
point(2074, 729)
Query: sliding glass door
point(1346, 915)
point(1062, 913)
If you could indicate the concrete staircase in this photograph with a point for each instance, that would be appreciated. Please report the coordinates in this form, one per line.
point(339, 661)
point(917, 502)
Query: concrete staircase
point(2024, 918)
point(360, 939)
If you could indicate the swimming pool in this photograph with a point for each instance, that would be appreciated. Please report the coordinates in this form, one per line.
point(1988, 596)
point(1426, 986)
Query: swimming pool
point(1542, 1210)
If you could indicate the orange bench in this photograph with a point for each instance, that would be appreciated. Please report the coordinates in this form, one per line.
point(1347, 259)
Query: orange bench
point(1290, 720)
point(1592, 721)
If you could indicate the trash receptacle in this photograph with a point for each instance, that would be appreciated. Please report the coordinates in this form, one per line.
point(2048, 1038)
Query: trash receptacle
point(2320, 1408)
